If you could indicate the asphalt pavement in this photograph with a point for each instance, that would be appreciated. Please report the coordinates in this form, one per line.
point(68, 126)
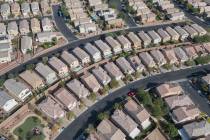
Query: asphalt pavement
point(89, 116)
point(61, 25)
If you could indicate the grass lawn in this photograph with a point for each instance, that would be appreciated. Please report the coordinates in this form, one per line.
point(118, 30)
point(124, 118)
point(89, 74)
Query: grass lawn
point(24, 131)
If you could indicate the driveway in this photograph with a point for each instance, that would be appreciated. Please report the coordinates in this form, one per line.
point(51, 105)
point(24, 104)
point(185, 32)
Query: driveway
point(61, 25)
point(89, 116)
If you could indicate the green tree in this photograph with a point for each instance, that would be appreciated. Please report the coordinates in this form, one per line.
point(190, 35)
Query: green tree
point(30, 66)
point(137, 74)
point(90, 129)
point(70, 115)
point(114, 83)
point(144, 97)
point(44, 60)
point(118, 106)
point(2, 80)
point(92, 96)
point(170, 129)
point(102, 116)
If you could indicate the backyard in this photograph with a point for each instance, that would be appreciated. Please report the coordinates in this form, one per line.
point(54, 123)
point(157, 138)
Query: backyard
point(31, 129)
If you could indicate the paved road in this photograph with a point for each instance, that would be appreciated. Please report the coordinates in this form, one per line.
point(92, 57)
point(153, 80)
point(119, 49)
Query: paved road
point(60, 23)
point(89, 116)
point(77, 43)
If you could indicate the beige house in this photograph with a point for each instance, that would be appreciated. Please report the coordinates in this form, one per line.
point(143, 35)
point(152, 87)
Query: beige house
point(138, 113)
point(51, 108)
point(66, 98)
point(169, 89)
point(24, 27)
point(90, 82)
point(185, 114)
point(170, 56)
point(107, 130)
point(35, 25)
point(32, 79)
point(15, 9)
point(12, 28)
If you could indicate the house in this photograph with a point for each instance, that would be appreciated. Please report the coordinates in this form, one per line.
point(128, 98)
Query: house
point(170, 56)
point(46, 24)
point(206, 46)
point(5, 10)
point(71, 60)
point(190, 51)
point(195, 130)
point(176, 16)
point(192, 32)
point(125, 123)
point(183, 34)
point(165, 37)
point(81, 21)
point(82, 56)
point(138, 113)
point(90, 82)
point(3, 30)
point(24, 27)
point(201, 31)
point(32, 79)
point(200, 50)
point(169, 89)
point(17, 89)
point(78, 88)
point(35, 25)
point(51, 108)
point(134, 39)
point(116, 23)
point(26, 44)
point(156, 134)
point(107, 130)
point(114, 44)
point(113, 71)
point(35, 8)
point(158, 57)
point(180, 54)
point(47, 73)
point(94, 53)
point(104, 48)
point(87, 28)
point(125, 43)
point(5, 57)
point(178, 101)
point(12, 28)
point(101, 75)
point(146, 40)
point(185, 114)
point(124, 65)
point(58, 65)
point(45, 36)
point(25, 9)
point(154, 36)
point(15, 9)
point(66, 98)
point(45, 8)
point(7, 103)
point(136, 63)
point(147, 59)
point(174, 35)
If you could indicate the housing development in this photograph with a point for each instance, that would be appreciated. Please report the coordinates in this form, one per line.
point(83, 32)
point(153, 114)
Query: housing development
point(104, 70)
